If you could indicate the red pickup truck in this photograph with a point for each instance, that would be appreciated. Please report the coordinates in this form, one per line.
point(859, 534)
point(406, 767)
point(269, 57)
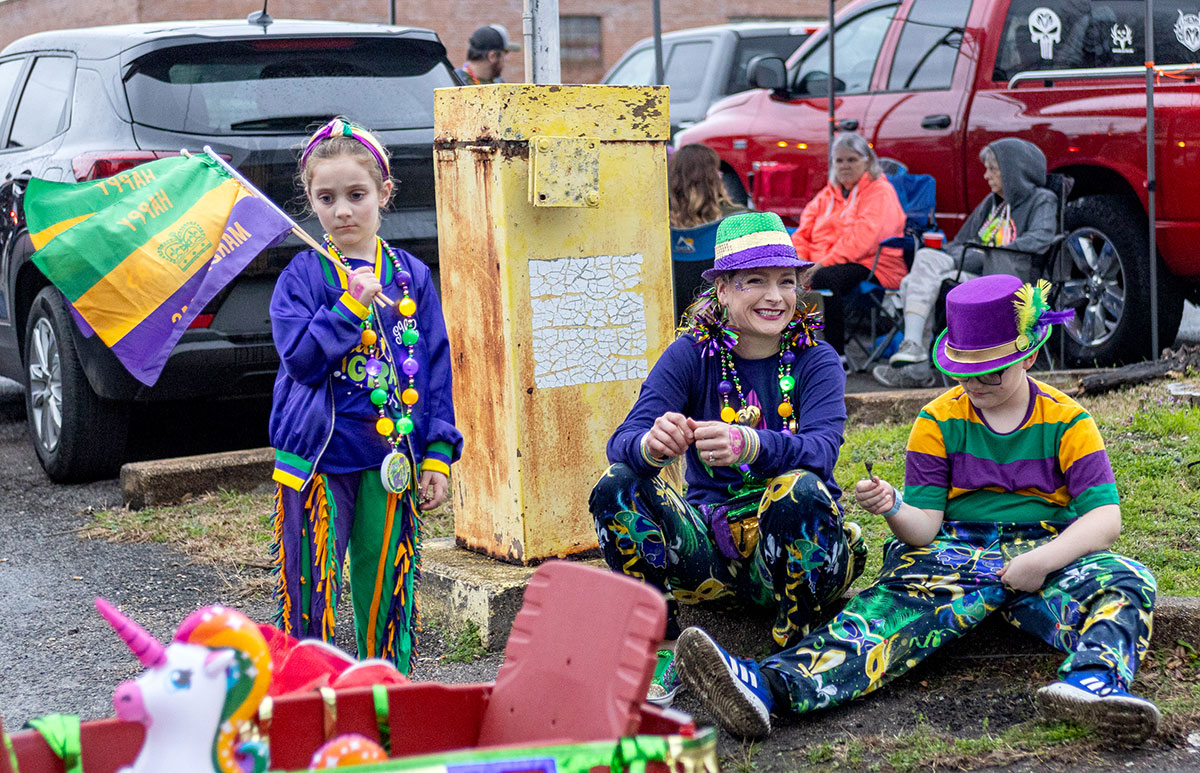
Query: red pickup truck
point(930, 82)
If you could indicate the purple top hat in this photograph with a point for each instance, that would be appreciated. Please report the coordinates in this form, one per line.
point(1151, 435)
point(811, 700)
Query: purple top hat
point(993, 322)
point(753, 240)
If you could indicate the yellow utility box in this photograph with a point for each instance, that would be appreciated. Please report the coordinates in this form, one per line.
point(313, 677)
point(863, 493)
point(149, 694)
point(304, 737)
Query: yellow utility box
point(554, 252)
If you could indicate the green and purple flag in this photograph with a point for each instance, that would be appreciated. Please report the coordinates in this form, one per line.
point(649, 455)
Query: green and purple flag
point(139, 254)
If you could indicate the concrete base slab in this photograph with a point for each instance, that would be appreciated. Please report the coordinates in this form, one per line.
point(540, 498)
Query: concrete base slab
point(164, 481)
point(460, 586)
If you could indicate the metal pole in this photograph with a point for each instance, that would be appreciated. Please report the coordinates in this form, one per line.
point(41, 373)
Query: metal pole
point(658, 62)
point(832, 126)
point(542, 58)
point(391, 11)
point(527, 36)
point(1151, 180)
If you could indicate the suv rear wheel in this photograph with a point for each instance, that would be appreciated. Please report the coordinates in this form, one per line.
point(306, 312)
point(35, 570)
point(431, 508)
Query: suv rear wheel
point(1105, 275)
point(76, 434)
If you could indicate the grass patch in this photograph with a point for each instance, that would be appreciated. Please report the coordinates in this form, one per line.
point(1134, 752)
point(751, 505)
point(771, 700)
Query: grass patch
point(1170, 676)
point(227, 529)
point(466, 645)
point(744, 762)
point(1151, 438)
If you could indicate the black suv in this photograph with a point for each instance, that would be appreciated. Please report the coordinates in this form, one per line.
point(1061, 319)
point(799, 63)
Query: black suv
point(88, 103)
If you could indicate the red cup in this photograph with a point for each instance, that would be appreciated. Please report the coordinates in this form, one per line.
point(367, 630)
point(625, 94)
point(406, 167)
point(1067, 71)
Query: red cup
point(933, 239)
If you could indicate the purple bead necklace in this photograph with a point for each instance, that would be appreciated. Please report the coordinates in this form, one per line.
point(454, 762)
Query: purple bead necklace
point(378, 352)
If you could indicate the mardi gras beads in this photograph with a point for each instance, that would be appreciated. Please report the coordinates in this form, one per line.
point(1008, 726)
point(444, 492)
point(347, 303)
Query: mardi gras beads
point(385, 394)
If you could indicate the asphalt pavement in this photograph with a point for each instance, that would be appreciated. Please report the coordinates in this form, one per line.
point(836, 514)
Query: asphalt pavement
point(56, 653)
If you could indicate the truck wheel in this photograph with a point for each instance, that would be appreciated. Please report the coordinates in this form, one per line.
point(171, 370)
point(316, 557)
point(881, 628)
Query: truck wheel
point(733, 186)
point(1103, 268)
point(76, 434)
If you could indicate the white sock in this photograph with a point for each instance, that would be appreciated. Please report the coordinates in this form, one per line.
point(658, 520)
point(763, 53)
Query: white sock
point(914, 327)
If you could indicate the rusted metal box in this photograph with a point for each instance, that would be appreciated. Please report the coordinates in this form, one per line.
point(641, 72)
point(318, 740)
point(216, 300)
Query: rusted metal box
point(554, 252)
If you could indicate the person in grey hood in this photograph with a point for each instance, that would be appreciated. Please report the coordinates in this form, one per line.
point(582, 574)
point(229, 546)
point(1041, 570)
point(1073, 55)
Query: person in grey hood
point(1019, 214)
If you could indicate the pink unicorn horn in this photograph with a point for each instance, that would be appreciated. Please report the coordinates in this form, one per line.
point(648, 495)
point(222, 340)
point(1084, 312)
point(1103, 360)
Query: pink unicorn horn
point(145, 647)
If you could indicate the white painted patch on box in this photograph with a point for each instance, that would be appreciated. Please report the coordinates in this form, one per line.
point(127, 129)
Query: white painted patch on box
point(589, 320)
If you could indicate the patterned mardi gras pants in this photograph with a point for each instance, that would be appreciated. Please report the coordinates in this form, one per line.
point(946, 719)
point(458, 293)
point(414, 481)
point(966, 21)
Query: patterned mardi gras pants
point(1097, 609)
point(312, 531)
point(803, 560)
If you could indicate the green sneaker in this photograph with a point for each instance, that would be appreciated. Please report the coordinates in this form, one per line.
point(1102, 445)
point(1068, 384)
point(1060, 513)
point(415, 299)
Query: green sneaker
point(666, 682)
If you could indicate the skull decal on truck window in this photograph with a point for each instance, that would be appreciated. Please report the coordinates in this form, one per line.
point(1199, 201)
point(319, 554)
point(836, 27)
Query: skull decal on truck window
point(1045, 28)
point(1122, 39)
point(1187, 31)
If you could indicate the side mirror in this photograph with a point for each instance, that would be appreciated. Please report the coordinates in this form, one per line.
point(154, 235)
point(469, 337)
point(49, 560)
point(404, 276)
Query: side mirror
point(767, 72)
point(816, 83)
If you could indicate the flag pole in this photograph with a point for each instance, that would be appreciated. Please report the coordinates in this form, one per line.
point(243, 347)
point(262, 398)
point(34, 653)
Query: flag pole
point(296, 229)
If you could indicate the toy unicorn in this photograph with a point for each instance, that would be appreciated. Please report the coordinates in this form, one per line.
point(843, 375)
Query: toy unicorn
point(195, 692)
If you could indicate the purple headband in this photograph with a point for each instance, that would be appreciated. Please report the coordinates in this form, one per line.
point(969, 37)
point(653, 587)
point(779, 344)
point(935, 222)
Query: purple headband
point(342, 128)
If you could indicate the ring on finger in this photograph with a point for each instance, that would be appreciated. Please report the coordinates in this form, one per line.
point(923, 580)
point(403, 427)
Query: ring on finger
point(711, 457)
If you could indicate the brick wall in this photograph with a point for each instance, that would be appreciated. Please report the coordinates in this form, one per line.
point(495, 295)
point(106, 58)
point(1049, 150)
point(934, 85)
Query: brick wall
point(623, 22)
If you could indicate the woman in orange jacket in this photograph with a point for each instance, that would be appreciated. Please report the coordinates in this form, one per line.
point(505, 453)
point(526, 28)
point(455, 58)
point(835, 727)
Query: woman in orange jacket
point(841, 228)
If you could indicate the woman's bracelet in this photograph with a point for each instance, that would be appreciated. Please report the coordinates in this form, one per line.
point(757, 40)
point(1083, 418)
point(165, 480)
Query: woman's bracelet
point(897, 501)
point(747, 450)
point(647, 458)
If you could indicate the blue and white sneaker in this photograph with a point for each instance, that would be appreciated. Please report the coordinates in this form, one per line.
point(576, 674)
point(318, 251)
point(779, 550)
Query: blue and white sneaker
point(732, 688)
point(1091, 698)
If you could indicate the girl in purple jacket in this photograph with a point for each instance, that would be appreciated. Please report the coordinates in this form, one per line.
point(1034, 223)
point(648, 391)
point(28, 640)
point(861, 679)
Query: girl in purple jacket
point(362, 421)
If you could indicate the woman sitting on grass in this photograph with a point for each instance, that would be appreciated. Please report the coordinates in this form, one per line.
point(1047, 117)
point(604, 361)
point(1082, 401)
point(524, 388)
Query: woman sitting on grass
point(757, 406)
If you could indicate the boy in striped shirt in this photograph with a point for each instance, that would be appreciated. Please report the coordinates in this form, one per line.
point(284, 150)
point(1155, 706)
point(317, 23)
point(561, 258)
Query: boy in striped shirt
point(1009, 505)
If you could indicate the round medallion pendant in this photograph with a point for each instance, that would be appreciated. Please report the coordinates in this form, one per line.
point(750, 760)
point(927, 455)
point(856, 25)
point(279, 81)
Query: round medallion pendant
point(396, 472)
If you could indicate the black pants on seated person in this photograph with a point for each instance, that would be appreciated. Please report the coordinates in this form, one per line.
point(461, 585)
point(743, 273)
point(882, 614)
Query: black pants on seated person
point(840, 280)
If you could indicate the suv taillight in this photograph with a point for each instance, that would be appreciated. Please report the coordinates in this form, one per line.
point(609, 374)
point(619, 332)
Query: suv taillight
point(96, 165)
point(93, 166)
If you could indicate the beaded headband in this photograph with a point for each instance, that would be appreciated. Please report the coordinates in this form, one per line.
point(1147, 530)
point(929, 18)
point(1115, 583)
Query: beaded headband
point(340, 127)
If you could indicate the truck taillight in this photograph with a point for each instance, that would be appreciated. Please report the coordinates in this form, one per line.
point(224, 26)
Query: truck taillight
point(201, 321)
point(100, 164)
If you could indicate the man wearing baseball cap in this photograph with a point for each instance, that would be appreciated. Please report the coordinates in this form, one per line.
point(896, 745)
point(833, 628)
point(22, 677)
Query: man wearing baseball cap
point(486, 51)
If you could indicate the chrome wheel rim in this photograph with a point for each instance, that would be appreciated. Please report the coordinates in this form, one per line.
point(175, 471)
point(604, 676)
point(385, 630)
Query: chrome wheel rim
point(1093, 285)
point(45, 385)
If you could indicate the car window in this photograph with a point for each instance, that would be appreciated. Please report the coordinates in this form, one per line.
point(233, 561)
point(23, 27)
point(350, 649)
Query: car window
point(781, 46)
point(637, 70)
point(285, 86)
point(9, 71)
point(685, 69)
point(856, 47)
point(1067, 34)
point(928, 46)
point(44, 108)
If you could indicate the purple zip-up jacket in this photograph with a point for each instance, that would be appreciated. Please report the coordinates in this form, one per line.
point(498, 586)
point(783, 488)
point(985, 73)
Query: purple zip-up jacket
point(685, 381)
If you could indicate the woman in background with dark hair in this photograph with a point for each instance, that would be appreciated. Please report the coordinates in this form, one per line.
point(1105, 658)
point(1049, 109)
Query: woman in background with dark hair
point(696, 192)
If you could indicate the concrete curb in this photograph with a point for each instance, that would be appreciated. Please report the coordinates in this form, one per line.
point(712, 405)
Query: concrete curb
point(901, 406)
point(165, 481)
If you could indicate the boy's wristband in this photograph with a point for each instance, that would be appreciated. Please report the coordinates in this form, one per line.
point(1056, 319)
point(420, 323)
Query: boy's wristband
point(897, 501)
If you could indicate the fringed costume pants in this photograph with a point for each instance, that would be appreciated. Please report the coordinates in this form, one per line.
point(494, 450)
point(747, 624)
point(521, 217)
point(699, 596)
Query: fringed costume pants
point(1098, 610)
point(802, 562)
point(313, 530)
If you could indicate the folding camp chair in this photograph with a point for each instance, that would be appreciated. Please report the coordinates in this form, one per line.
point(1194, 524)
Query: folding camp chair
point(692, 253)
point(1028, 266)
point(918, 198)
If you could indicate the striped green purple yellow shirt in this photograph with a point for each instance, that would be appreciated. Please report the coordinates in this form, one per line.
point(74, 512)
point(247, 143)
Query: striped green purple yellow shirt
point(1053, 467)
